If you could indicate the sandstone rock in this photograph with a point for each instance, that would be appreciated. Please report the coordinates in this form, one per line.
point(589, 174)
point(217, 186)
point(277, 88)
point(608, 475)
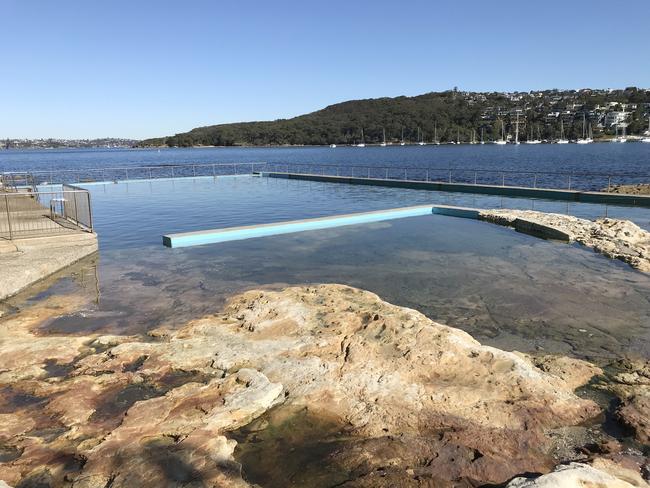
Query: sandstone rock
point(634, 189)
point(574, 372)
point(616, 239)
point(161, 412)
point(631, 384)
point(578, 475)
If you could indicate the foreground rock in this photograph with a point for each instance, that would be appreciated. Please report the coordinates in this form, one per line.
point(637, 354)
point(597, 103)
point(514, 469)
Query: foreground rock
point(630, 382)
point(410, 401)
point(602, 474)
point(616, 239)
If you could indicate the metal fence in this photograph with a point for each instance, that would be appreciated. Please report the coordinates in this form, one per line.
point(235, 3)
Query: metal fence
point(533, 179)
point(585, 181)
point(11, 182)
point(44, 213)
point(91, 175)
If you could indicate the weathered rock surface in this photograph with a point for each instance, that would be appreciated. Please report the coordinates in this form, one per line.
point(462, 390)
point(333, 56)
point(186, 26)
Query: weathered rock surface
point(616, 239)
point(601, 474)
point(631, 383)
point(638, 189)
point(413, 400)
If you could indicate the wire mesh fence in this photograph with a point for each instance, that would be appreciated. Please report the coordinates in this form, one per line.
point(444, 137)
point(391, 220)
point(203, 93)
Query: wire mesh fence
point(108, 174)
point(44, 213)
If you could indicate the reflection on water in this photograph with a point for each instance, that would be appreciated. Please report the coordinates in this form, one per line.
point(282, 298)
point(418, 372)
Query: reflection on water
point(506, 289)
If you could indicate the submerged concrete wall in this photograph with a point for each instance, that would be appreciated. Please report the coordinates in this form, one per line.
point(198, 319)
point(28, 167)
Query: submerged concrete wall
point(509, 191)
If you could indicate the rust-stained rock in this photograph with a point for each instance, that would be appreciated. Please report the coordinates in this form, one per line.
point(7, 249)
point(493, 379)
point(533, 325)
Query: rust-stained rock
point(416, 400)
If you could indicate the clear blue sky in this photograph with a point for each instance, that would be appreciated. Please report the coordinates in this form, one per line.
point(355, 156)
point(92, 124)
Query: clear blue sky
point(143, 68)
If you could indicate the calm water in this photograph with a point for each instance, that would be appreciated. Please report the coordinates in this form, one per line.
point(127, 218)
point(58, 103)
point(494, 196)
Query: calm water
point(132, 214)
point(507, 289)
point(599, 158)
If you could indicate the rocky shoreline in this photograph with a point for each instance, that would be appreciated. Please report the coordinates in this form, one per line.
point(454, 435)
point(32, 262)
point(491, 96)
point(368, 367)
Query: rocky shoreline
point(361, 392)
point(614, 238)
point(638, 189)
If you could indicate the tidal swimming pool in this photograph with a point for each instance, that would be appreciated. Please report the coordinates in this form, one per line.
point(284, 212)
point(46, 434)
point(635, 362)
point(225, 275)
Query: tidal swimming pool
point(506, 289)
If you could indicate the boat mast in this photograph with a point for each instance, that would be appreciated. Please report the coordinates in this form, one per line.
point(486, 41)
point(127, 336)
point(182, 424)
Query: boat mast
point(517, 130)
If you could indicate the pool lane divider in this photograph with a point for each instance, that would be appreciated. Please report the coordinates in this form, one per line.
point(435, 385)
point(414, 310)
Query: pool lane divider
point(214, 236)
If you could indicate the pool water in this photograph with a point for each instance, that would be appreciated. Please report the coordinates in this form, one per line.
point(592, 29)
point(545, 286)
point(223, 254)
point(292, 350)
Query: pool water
point(131, 214)
point(507, 289)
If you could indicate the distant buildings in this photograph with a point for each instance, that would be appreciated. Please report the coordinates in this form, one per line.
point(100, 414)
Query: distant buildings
point(65, 143)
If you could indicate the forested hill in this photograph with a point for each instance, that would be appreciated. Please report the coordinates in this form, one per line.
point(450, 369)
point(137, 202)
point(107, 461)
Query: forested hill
point(450, 115)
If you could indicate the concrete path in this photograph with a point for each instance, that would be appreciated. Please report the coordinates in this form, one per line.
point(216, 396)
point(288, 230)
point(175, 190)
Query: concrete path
point(26, 261)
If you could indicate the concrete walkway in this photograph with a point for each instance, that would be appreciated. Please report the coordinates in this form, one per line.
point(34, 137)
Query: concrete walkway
point(29, 218)
point(26, 261)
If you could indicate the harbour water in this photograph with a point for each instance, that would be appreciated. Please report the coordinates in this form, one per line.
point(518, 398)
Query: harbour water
point(590, 158)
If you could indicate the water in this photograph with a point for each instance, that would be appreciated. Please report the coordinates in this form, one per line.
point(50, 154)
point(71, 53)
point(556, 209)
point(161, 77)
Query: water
point(507, 289)
point(593, 158)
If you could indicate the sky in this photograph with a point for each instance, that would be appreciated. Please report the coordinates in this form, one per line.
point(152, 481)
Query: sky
point(144, 68)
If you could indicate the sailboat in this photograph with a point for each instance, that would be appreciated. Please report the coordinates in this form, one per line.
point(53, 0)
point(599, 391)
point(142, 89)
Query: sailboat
point(482, 141)
point(647, 139)
point(362, 143)
point(457, 136)
point(586, 139)
point(402, 143)
point(473, 141)
point(562, 140)
point(383, 144)
point(531, 140)
point(421, 141)
point(622, 137)
point(517, 130)
point(502, 141)
point(435, 134)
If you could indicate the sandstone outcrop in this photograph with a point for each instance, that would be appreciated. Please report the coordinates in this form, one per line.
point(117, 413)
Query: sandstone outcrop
point(602, 474)
point(408, 400)
point(616, 239)
point(638, 189)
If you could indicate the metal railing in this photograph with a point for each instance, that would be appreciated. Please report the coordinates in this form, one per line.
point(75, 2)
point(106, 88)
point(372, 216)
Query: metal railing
point(11, 182)
point(583, 181)
point(91, 175)
point(44, 213)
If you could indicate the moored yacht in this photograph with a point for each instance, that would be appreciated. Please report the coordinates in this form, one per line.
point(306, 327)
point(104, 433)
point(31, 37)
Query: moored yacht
point(562, 139)
point(517, 130)
point(622, 137)
point(383, 144)
point(534, 141)
point(421, 141)
point(586, 137)
point(502, 141)
point(362, 143)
